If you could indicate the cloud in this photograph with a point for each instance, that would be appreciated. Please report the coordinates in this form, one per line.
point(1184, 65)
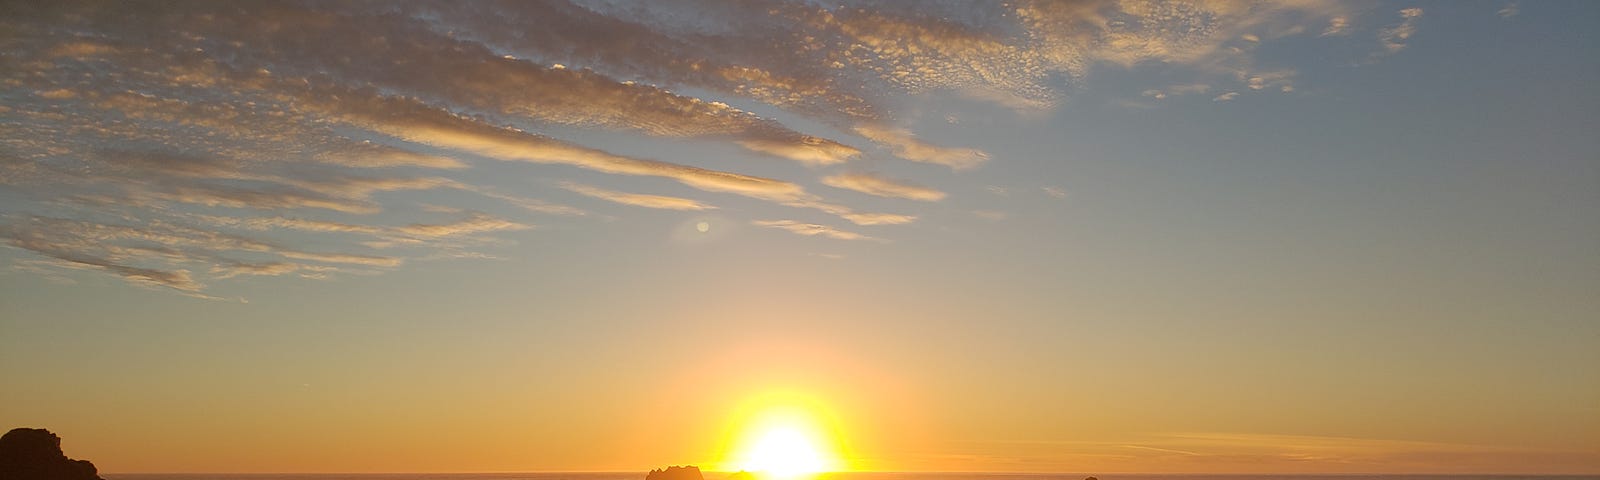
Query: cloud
point(413, 234)
point(366, 154)
point(752, 59)
point(1213, 38)
point(1054, 192)
point(415, 122)
point(906, 145)
point(840, 63)
point(469, 74)
point(412, 121)
point(811, 229)
point(177, 279)
point(1394, 37)
point(156, 254)
point(1510, 10)
point(352, 259)
point(309, 123)
point(216, 180)
point(258, 199)
point(476, 223)
point(269, 223)
point(873, 184)
point(805, 149)
point(1159, 94)
point(636, 199)
point(532, 204)
point(267, 269)
point(163, 252)
point(1259, 80)
point(858, 218)
point(879, 218)
point(1339, 25)
point(1226, 97)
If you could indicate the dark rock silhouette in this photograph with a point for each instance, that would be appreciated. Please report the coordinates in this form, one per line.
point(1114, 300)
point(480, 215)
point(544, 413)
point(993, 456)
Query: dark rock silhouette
point(686, 472)
point(35, 454)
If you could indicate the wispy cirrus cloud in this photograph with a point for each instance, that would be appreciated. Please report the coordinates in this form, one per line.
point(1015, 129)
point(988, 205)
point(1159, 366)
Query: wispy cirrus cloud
point(873, 184)
point(467, 74)
point(162, 254)
point(476, 223)
point(811, 229)
point(636, 199)
point(906, 145)
point(1510, 10)
point(280, 120)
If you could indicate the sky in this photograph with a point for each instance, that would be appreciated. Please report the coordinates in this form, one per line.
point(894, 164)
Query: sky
point(1269, 237)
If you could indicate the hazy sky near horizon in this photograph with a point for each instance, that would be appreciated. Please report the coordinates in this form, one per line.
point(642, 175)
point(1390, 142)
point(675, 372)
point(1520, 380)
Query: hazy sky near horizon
point(1277, 236)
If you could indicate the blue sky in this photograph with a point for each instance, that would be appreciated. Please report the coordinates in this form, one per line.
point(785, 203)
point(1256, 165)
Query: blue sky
point(1344, 236)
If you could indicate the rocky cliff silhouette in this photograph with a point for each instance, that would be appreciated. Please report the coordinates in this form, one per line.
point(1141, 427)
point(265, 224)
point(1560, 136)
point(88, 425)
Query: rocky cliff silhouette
point(35, 454)
point(687, 472)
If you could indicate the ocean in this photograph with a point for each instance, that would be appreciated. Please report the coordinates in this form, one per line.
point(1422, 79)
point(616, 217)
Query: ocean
point(834, 476)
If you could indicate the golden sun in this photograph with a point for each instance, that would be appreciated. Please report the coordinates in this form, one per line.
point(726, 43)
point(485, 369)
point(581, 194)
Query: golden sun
point(784, 453)
point(783, 444)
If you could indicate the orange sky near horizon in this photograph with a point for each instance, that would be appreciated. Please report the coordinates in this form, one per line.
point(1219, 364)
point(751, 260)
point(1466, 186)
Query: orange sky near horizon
point(872, 416)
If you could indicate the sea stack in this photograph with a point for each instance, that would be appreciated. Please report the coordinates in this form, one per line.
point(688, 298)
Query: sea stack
point(35, 454)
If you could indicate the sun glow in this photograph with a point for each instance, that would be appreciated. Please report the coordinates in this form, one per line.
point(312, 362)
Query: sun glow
point(781, 443)
point(784, 453)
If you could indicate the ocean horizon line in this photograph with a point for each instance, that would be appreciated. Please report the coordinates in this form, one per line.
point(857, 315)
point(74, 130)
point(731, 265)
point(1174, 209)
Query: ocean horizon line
point(872, 472)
